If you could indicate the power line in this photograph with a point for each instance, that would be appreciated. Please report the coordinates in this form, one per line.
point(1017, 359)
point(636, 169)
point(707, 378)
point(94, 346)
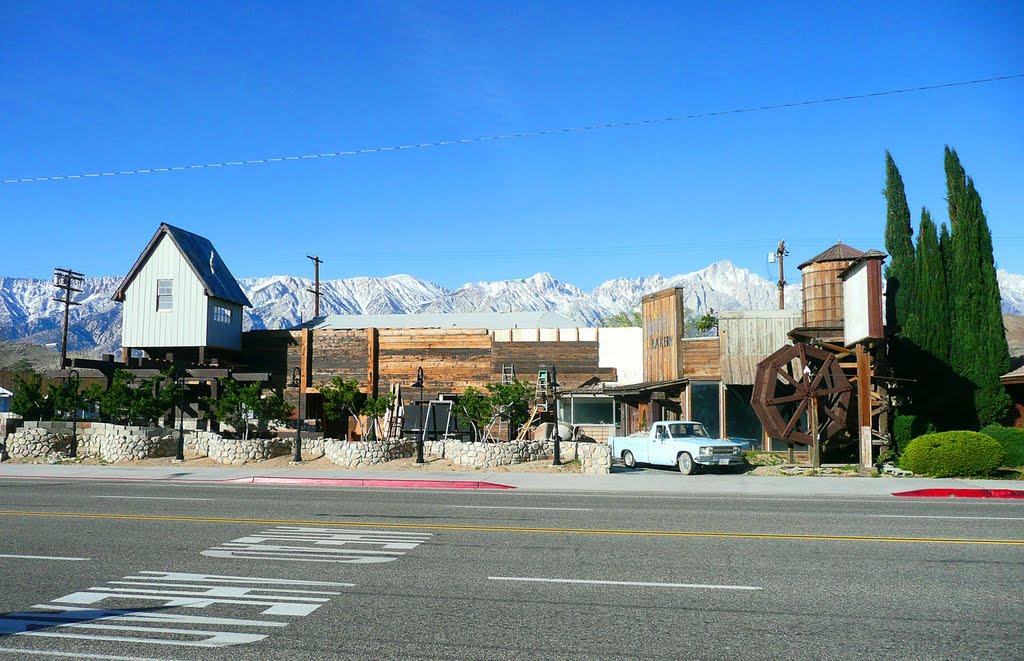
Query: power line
point(527, 134)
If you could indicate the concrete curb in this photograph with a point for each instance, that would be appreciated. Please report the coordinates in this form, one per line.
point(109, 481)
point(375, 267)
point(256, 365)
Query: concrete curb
point(961, 493)
point(294, 481)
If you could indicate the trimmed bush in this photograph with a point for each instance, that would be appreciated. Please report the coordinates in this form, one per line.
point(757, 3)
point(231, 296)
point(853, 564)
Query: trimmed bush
point(1012, 440)
point(953, 454)
point(905, 428)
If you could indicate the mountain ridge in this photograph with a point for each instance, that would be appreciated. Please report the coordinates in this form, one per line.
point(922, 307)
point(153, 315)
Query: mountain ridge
point(29, 314)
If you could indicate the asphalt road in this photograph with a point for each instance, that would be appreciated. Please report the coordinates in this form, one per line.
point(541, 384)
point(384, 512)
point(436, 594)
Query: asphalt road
point(203, 571)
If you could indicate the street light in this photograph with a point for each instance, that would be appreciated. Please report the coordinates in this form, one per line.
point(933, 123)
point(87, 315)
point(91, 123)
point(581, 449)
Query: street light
point(554, 398)
point(297, 457)
point(73, 451)
point(180, 454)
point(423, 422)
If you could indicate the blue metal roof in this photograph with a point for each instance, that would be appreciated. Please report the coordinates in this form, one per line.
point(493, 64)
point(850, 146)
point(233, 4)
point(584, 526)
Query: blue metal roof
point(204, 259)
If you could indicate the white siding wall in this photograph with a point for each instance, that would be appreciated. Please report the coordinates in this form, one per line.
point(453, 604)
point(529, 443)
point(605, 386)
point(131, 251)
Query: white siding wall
point(185, 325)
point(225, 336)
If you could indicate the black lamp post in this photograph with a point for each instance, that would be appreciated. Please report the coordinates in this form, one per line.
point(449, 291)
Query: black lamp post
point(180, 454)
point(297, 457)
point(73, 450)
point(423, 422)
point(554, 400)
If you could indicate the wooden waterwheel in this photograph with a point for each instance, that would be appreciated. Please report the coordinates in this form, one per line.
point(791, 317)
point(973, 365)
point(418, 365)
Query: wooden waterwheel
point(797, 380)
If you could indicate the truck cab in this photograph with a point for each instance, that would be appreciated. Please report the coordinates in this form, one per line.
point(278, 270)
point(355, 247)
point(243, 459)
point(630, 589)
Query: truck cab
point(681, 443)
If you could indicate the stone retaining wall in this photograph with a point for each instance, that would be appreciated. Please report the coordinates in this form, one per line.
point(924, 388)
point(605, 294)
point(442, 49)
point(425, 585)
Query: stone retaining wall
point(363, 453)
point(107, 441)
point(594, 458)
point(237, 451)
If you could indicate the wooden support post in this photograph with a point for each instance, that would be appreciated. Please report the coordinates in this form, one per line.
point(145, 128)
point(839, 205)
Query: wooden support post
point(812, 422)
point(864, 405)
point(306, 360)
point(722, 431)
point(372, 367)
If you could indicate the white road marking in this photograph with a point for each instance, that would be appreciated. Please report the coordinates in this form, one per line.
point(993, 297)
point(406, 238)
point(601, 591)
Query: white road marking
point(150, 498)
point(70, 617)
point(321, 545)
point(40, 557)
point(636, 583)
point(80, 655)
point(936, 516)
point(509, 507)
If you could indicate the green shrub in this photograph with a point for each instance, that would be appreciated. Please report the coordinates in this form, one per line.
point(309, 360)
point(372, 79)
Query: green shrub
point(906, 428)
point(953, 454)
point(1012, 440)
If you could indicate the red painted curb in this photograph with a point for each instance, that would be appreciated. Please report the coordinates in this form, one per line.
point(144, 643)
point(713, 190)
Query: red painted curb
point(355, 482)
point(962, 493)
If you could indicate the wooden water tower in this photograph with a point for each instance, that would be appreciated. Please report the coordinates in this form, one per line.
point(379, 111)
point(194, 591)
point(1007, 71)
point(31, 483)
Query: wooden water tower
point(823, 288)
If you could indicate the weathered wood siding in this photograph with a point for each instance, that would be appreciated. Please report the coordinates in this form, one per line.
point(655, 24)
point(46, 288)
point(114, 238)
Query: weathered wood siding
point(342, 353)
point(747, 338)
point(663, 329)
point(577, 362)
point(701, 360)
point(277, 352)
point(452, 359)
point(823, 294)
point(184, 325)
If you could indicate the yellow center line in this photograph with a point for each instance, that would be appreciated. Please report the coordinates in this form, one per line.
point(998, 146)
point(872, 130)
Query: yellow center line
point(562, 531)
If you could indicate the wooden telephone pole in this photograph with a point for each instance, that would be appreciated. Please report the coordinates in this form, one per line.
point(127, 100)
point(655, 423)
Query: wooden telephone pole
point(316, 287)
point(780, 254)
point(68, 282)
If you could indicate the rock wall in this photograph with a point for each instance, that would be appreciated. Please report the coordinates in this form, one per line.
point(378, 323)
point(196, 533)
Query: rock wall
point(594, 458)
point(237, 451)
point(107, 441)
point(363, 453)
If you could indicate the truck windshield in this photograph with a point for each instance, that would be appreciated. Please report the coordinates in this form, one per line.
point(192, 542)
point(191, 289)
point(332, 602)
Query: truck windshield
point(687, 430)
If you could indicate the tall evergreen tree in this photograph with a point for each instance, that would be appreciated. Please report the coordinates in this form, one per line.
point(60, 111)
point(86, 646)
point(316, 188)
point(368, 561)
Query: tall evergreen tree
point(933, 317)
point(899, 274)
point(979, 352)
point(931, 340)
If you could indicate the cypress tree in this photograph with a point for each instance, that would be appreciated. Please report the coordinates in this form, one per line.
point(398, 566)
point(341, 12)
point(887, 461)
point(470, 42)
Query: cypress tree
point(979, 352)
point(899, 274)
point(933, 318)
point(932, 338)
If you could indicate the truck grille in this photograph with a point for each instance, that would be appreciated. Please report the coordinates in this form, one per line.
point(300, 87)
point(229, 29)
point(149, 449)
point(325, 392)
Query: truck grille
point(721, 449)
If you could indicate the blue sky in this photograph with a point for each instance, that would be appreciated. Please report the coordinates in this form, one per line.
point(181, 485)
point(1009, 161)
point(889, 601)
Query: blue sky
point(98, 86)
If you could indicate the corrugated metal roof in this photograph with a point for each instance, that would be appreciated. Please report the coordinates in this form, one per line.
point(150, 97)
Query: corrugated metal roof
point(488, 320)
point(204, 259)
point(837, 253)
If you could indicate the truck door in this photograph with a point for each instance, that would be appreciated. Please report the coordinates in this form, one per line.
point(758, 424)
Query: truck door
point(660, 447)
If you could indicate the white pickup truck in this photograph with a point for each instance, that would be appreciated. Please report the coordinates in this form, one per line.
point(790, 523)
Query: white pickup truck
point(680, 443)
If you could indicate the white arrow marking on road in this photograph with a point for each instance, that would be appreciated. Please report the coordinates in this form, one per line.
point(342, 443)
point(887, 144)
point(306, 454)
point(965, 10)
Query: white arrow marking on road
point(40, 557)
point(637, 583)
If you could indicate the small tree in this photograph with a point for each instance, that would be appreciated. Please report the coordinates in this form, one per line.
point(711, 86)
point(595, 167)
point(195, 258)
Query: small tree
point(513, 400)
point(29, 401)
point(623, 319)
point(375, 408)
point(707, 321)
point(342, 399)
point(239, 403)
point(476, 407)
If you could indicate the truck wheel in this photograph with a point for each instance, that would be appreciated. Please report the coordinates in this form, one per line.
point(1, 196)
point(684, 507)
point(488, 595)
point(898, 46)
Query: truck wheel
point(628, 459)
point(685, 462)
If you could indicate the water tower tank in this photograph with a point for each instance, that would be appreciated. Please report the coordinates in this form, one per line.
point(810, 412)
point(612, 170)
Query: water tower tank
point(822, 287)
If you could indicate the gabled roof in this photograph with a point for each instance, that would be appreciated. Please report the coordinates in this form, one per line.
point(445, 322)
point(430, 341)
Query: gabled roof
point(1013, 378)
point(204, 259)
point(837, 253)
point(486, 320)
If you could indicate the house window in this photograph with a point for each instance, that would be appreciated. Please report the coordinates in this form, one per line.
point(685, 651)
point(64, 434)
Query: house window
point(222, 314)
point(165, 294)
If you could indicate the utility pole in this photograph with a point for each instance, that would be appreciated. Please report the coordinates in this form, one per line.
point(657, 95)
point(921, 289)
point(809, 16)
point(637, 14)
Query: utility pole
point(780, 254)
point(316, 288)
point(68, 282)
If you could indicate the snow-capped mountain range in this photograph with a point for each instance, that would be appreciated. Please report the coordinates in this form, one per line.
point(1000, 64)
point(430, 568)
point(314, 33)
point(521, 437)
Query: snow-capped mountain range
point(29, 313)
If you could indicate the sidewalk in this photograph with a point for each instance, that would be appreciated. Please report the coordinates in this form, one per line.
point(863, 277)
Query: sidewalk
point(620, 481)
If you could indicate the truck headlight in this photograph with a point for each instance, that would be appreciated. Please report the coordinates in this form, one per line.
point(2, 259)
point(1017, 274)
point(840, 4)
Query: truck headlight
point(705, 450)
